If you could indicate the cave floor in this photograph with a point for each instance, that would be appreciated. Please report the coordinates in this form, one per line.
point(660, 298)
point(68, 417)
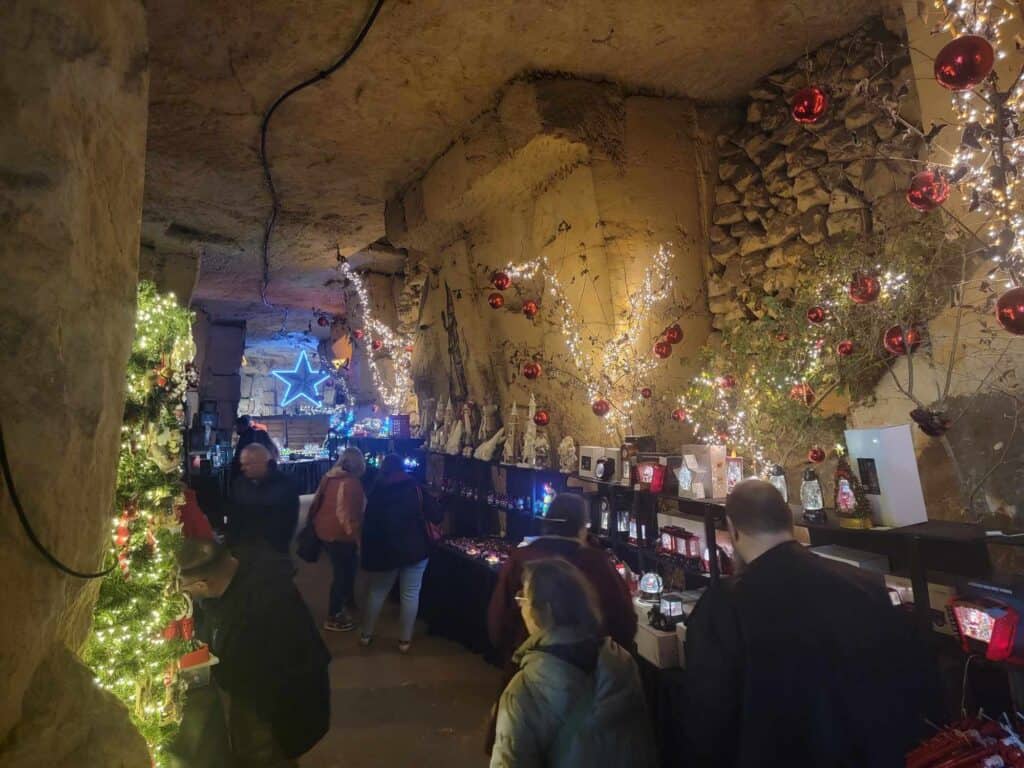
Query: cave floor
point(389, 710)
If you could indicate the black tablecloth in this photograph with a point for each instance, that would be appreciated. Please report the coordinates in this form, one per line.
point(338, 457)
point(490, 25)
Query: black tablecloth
point(453, 602)
point(306, 474)
point(664, 689)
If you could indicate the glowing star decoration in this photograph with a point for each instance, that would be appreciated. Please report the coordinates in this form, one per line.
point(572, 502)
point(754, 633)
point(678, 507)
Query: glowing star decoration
point(302, 381)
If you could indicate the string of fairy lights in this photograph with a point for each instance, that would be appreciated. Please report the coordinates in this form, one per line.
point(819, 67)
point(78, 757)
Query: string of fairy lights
point(379, 336)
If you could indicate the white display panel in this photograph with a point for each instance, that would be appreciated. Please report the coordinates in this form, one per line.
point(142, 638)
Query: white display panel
point(886, 465)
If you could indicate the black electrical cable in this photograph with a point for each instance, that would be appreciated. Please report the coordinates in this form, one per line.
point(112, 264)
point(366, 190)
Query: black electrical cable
point(9, 481)
point(275, 202)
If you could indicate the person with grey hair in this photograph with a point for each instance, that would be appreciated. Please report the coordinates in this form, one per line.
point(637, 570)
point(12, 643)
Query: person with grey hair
point(263, 509)
point(576, 700)
point(337, 516)
point(799, 660)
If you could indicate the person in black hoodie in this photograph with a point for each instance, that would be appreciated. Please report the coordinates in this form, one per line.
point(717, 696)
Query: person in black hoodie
point(264, 507)
point(395, 545)
point(799, 660)
point(272, 668)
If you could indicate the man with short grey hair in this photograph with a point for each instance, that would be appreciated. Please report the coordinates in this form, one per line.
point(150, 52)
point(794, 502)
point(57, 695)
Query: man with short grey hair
point(264, 506)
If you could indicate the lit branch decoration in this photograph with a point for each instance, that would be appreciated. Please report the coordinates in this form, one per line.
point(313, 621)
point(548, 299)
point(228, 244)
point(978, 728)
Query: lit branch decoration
point(394, 345)
point(622, 363)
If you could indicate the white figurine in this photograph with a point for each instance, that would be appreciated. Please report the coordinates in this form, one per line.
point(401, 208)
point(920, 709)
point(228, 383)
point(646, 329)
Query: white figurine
point(454, 445)
point(488, 422)
point(488, 448)
point(530, 436)
point(509, 456)
point(567, 460)
point(468, 417)
point(543, 448)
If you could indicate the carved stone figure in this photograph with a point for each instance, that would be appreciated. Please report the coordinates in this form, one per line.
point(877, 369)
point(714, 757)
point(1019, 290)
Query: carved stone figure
point(509, 456)
point(488, 422)
point(488, 448)
point(454, 445)
point(469, 419)
point(567, 459)
point(530, 436)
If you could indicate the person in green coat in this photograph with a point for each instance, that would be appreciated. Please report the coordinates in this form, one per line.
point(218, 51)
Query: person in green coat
point(576, 700)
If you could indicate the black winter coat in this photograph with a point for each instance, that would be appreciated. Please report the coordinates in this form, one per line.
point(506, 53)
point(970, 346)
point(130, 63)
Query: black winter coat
point(394, 531)
point(263, 513)
point(801, 661)
point(271, 654)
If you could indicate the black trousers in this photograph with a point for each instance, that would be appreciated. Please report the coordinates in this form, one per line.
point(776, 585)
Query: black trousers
point(344, 557)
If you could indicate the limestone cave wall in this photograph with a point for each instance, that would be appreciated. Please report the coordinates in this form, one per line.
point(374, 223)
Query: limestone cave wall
point(73, 94)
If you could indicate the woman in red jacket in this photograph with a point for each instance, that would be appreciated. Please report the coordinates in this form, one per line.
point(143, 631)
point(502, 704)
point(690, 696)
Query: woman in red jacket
point(337, 514)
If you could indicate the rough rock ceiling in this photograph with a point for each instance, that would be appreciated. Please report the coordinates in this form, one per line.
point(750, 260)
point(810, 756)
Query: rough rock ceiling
point(340, 148)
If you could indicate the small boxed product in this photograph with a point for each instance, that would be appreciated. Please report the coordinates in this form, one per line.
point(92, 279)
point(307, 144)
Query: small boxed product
point(705, 472)
point(658, 473)
point(196, 667)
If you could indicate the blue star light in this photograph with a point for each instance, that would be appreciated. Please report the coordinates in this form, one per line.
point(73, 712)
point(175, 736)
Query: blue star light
point(302, 382)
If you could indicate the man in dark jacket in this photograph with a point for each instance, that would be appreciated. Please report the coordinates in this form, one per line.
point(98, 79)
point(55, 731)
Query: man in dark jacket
point(565, 529)
point(798, 660)
point(272, 666)
point(250, 435)
point(264, 506)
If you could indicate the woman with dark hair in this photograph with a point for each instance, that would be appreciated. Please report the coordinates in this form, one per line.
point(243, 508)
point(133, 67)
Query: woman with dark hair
point(395, 546)
point(576, 700)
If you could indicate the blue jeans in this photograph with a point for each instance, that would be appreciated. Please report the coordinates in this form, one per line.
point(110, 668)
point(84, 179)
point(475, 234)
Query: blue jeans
point(379, 584)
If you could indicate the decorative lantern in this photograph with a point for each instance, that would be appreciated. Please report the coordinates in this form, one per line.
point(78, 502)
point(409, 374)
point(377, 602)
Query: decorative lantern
point(864, 289)
point(496, 300)
point(897, 343)
point(816, 455)
point(662, 349)
point(1010, 310)
point(530, 309)
point(541, 418)
point(601, 407)
point(928, 190)
point(964, 62)
point(680, 415)
point(809, 104)
point(532, 370)
point(673, 334)
point(501, 280)
point(777, 477)
point(844, 348)
point(803, 392)
point(816, 315)
point(811, 497)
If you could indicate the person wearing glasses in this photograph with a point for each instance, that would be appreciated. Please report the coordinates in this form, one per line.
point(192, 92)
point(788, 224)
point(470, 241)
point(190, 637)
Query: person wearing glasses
point(576, 699)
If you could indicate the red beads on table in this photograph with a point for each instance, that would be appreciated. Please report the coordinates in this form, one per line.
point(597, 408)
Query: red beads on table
point(501, 280)
point(964, 62)
point(928, 190)
point(816, 315)
point(496, 300)
point(680, 415)
point(864, 289)
point(662, 349)
point(728, 381)
point(532, 370)
point(896, 342)
point(816, 455)
point(541, 418)
point(1010, 310)
point(809, 104)
point(802, 392)
point(673, 334)
point(601, 407)
point(844, 348)
point(530, 309)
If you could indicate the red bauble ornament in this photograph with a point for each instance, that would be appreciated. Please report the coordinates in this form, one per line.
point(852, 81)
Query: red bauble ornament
point(964, 62)
point(1010, 310)
point(530, 309)
point(501, 280)
point(409, 347)
point(726, 382)
point(673, 334)
point(646, 393)
point(358, 333)
point(532, 370)
point(322, 321)
point(782, 336)
point(816, 315)
point(541, 418)
point(803, 392)
point(816, 455)
point(896, 343)
point(928, 190)
point(864, 289)
point(662, 349)
point(161, 381)
point(680, 415)
point(496, 300)
point(601, 407)
point(844, 348)
point(377, 344)
point(809, 104)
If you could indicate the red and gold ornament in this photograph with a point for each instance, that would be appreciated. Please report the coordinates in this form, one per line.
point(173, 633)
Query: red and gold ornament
point(496, 300)
point(964, 62)
point(809, 104)
point(532, 370)
point(896, 341)
point(816, 315)
point(530, 309)
point(816, 455)
point(646, 393)
point(928, 190)
point(673, 334)
point(680, 415)
point(601, 407)
point(1010, 310)
point(844, 348)
point(501, 280)
point(662, 349)
point(541, 418)
point(802, 392)
point(863, 288)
